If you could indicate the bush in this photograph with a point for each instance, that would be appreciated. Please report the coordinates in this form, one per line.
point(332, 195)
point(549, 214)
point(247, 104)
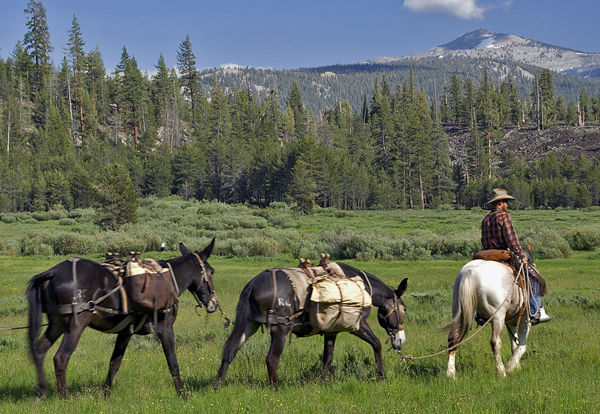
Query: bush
point(67, 222)
point(8, 218)
point(57, 213)
point(24, 215)
point(82, 215)
point(41, 215)
point(30, 221)
point(583, 238)
point(546, 243)
point(76, 244)
point(30, 244)
point(41, 249)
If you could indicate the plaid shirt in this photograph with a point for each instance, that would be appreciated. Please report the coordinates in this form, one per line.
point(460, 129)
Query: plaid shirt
point(497, 232)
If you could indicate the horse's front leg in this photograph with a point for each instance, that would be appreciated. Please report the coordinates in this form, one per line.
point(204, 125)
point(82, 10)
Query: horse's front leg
point(117, 357)
point(278, 334)
point(366, 334)
point(496, 342)
point(518, 349)
point(165, 334)
point(70, 340)
point(40, 348)
point(328, 352)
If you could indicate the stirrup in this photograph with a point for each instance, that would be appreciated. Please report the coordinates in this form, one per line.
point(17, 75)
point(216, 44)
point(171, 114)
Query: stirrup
point(541, 318)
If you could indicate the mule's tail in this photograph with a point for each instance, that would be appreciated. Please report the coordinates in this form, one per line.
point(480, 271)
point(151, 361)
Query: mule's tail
point(464, 304)
point(242, 315)
point(34, 298)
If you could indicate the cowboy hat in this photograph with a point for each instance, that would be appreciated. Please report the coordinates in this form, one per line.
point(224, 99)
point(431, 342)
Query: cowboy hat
point(499, 194)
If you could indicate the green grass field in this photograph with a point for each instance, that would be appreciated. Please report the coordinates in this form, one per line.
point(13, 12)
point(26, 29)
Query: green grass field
point(564, 375)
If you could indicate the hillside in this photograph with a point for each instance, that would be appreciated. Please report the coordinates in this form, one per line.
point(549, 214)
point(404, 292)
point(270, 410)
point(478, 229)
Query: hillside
point(502, 54)
point(530, 144)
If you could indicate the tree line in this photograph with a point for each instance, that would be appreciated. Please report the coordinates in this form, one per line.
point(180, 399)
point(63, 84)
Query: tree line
point(78, 136)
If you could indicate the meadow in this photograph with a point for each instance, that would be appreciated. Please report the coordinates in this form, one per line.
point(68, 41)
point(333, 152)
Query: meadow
point(562, 376)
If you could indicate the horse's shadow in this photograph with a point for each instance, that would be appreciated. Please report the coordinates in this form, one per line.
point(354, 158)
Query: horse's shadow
point(18, 394)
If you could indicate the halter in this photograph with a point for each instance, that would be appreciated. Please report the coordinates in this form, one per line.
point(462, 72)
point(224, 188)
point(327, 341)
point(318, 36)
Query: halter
point(204, 278)
point(392, 332)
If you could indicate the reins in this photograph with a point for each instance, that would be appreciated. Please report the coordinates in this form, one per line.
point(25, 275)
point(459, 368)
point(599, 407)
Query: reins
point(405, 357)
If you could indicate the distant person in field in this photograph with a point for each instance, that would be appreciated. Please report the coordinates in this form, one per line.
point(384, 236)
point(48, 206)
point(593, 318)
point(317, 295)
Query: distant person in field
point(497, 232)
point(162, 247)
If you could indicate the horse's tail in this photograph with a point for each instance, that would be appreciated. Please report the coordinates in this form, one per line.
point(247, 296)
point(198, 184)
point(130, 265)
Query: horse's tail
point(242, 315)
point(464, 304)
point(34, 298)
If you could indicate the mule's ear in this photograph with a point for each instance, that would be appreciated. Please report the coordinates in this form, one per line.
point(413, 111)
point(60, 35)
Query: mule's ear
point(184, 250)
point(529, 246)
point(402, 287)
point(205, 254)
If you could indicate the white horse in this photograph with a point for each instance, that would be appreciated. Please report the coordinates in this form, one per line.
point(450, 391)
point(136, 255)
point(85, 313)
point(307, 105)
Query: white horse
point(488, 287)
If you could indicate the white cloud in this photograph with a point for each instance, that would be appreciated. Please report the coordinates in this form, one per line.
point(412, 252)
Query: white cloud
point(464, 9)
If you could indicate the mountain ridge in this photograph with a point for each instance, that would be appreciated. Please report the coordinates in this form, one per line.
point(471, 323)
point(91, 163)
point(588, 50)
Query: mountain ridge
point(485, 44)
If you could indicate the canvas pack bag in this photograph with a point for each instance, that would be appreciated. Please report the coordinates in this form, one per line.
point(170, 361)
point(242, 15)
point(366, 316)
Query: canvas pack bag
point(336, 304)
point(149, 286)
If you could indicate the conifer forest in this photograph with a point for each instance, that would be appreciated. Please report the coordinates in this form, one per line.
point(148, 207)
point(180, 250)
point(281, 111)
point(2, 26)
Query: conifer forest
point(76, 134)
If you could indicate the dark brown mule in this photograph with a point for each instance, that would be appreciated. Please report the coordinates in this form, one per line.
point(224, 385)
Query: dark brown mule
point(89, 288)
point(259, 295)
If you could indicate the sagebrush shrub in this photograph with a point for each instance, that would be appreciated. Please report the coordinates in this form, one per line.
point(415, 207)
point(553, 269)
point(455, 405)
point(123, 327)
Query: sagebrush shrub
point(67, 222)
point(583, 238)
point(546, 243)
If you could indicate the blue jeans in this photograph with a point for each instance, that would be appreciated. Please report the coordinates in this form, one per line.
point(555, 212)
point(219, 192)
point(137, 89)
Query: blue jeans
point(535, 300)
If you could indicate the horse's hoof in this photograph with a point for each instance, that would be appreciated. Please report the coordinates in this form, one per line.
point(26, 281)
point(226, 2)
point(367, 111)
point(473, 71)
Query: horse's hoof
point(218, 383)
point(41, 394)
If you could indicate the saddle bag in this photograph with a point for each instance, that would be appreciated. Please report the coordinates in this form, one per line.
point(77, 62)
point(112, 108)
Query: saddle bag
point(336, 304)
point(149, 286)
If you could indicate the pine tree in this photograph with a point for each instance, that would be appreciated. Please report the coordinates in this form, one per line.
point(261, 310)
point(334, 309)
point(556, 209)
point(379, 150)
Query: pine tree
point(186, 63)
point(37, 41)
point(160, 97)
point(117, 199)
point(299, 111)
point(77, 59)
point(133, 94)
point(584, 105)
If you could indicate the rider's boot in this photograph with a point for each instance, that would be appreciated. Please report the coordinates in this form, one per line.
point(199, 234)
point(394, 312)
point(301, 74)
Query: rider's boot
point(541, 318)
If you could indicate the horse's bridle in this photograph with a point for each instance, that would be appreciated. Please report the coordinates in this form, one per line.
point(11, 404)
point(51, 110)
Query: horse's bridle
point(395, 310)
point(211, 287)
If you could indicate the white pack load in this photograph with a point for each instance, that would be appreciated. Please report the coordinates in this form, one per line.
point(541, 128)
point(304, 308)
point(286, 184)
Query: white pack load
point(336, 304)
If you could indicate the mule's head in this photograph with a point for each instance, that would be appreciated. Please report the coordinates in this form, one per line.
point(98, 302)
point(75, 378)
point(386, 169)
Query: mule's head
point(203, 287)
point(391, 315)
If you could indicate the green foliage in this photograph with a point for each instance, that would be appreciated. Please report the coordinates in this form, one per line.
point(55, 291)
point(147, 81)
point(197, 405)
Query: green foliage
point(117, 199)
point(547, 243)
point(583, 238)
point(66, 221)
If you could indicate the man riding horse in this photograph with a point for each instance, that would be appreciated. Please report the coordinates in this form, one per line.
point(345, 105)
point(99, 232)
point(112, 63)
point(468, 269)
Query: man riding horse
point(497, 232)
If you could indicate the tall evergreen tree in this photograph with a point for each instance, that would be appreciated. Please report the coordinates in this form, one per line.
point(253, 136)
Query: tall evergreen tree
point(77, 59)
point(186, 63)
point(117, 199)
point(37, 41)
point(298, 110)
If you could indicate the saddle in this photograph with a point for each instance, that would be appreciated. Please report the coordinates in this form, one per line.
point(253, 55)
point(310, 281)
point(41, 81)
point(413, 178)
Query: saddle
point(148, 285)
point(324, 298)
point(336, 301)
point(509, 259)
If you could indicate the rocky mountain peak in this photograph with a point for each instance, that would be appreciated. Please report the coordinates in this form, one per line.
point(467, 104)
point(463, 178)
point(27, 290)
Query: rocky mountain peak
point(500, 46)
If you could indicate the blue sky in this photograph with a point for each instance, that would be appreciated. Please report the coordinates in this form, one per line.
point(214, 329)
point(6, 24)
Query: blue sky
point(292, 34)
